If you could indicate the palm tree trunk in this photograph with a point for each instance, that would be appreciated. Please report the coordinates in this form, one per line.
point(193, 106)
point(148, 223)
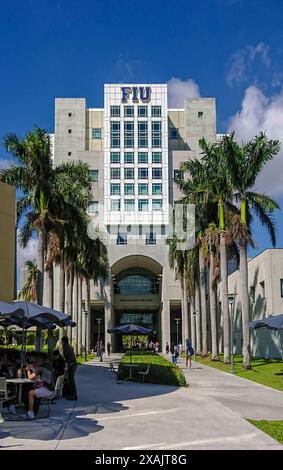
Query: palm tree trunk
point(40, 266)
point(75, 311)
point(80, 317)
point(245, 305)
point(87, 307)
point(61, 294)
point(198, 321)
point(203, 303)
point(224, 296)
point(193, 326)
point(48, 287)
point(70, 287)
point(212, 298)
point(185, 312)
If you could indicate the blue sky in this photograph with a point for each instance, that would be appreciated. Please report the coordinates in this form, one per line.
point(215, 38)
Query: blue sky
point(228, 49)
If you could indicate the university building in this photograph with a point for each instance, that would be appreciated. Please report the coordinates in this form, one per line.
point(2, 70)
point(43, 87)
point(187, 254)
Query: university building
point(7, 242)
point(134, 146)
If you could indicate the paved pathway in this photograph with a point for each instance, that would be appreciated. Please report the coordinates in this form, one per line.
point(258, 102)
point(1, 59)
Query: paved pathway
point(207, 415)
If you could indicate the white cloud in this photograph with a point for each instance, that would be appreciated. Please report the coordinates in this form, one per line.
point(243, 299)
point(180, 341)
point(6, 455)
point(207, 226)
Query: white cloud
point(179, 90)
point(5, 163)
point(261, 113)
point(28, 253)
point(241, 62)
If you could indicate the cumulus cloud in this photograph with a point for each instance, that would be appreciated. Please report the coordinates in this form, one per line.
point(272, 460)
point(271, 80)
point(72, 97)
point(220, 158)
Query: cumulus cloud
point(241, 62)
point(179, 90)
point(25, 254)
point(261, 113)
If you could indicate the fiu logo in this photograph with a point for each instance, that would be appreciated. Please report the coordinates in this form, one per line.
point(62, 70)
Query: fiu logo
point(141, 93)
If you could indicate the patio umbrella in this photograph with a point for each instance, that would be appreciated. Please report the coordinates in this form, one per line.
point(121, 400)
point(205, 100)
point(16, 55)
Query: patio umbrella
point(131, 330)
point(29, 310)
point(274, 322)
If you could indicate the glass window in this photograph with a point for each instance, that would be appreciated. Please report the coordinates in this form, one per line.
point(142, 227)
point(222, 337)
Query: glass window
point(129, 189)
point(200, 114)
point(156, 204)
point(134, 281)
point(156, 157)
point(122, 238)
point(142, 134)
point(156, 111)
point(178, 175)
point(129, 157)
point(143, 157)
point(156, 134)
point(143, 189)
point(142, 111)
point(93, 207)
point(115, 173)
point(129, 205)
point(150, 238)
point(129, 173)
point(115, 111)
point(128, 111)
point(157, 173)
point(115, 205)
point(115, 189)
point(143, 205)
point(129, 134)
point(173, 133)
point(281, 287)
point(115, 157)
point(96, 133)
point(157, 189)
point(69, 131)
point(115, 134)
point(94, 175)
point(262, 285)
point(143, 173)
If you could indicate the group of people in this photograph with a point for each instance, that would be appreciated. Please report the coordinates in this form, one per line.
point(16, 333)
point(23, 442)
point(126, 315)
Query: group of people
point(43, 371)
point(177, 349)
point(153, 346)
point(99, 349)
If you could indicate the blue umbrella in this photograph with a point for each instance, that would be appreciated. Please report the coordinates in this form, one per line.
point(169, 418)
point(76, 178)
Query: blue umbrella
point(132, 330)
point(274, 322)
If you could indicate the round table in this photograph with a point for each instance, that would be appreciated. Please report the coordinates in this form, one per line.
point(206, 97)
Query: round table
point(20, 382)
point(130, 366)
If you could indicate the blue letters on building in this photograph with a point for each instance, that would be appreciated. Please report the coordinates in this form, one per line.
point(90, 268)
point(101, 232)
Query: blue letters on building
point(142, 93)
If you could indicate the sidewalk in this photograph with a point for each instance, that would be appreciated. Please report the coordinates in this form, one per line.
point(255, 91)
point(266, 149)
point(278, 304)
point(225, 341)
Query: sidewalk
point(209, 414)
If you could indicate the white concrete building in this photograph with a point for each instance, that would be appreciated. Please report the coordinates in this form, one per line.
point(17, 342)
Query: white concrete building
point(265, 275)
point(134, 146)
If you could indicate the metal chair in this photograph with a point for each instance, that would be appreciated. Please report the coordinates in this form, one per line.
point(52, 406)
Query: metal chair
point(4, 395)
point(56, 392)
point(144, 373)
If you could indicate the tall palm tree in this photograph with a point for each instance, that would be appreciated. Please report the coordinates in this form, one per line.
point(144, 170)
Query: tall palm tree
point(245, 162)
point(29, 290)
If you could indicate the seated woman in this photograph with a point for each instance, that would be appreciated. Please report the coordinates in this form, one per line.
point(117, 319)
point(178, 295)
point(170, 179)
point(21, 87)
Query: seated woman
point(42, 387)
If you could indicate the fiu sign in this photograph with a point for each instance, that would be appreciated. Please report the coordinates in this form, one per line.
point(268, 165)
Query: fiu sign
point(137, 93)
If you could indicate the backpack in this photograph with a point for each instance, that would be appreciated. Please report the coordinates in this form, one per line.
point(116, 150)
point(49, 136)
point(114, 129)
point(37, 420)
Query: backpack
point(190, 349)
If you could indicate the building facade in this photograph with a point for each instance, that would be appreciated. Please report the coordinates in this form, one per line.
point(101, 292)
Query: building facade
point(134, 147)
point(265, 277)
point(7, 242)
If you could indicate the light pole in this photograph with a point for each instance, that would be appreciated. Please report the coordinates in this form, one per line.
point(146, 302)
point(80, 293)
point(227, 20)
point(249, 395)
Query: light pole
point(231, 299)
point(86, 317)
point(177, 320)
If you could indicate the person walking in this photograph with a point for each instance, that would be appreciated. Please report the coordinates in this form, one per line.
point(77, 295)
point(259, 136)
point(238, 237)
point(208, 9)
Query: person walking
point(189, 353)
point(157, 345)
point(69, 390)
point(167, 348)
point(108, 348)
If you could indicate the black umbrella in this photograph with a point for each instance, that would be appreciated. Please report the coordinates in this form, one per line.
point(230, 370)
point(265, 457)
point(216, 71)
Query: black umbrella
point(274, 322)
point(131, 330)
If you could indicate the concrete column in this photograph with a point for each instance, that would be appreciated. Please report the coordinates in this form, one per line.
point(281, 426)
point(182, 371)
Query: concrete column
point(108, 316)
point(198, 321)
point(185, 316)
point(165, 315)
point(80, 315)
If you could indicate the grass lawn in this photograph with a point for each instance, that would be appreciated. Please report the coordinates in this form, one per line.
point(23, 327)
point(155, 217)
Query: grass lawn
point(161, 371)
point(81, 359)
point(273, 428)
point(264, 371)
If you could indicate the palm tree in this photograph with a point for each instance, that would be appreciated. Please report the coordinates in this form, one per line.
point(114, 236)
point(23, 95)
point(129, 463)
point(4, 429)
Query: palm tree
point(29, 291)
point(245, 162)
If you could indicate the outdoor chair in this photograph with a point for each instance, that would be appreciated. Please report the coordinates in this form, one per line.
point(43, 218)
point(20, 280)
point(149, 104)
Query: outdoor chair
point(114, 371)
point(4, 395)
point(144, 373)
point(58, 387)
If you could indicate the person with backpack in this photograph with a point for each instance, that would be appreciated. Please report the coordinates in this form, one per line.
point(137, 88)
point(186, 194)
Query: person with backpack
point(189, 353)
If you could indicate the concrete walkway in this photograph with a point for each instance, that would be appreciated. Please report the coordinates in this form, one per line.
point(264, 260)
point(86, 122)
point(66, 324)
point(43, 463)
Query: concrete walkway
point(207, 415)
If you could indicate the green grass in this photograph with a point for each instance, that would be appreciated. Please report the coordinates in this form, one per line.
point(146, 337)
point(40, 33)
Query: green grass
point(264, 371)
point(161, 371)
point(81, 359)
point(273, 428)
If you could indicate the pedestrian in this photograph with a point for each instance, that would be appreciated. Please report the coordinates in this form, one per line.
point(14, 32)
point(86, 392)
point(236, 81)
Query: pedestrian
point(167, 348)
point(157, 346)
point(180, 348)
point(58, 365)
point(108, 348)
point(69, 389)
point(189, 353)
point(101, 350)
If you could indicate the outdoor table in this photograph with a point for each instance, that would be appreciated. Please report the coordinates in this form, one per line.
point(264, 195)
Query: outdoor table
point(20, 382)
point(130, 366)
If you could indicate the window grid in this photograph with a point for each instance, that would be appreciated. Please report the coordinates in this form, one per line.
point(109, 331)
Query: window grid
point(156, 111)
point(129, 134)
point(156, 134)
point(115, 189)
point(129, 157)
point(94, 176)
point(96, 133)
point(115, 111)
point(156, 157)
point(142, 134)
point(115, 157)
point(115, 173)
point(142, 157)
point(128, 111)
point(115, 134)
